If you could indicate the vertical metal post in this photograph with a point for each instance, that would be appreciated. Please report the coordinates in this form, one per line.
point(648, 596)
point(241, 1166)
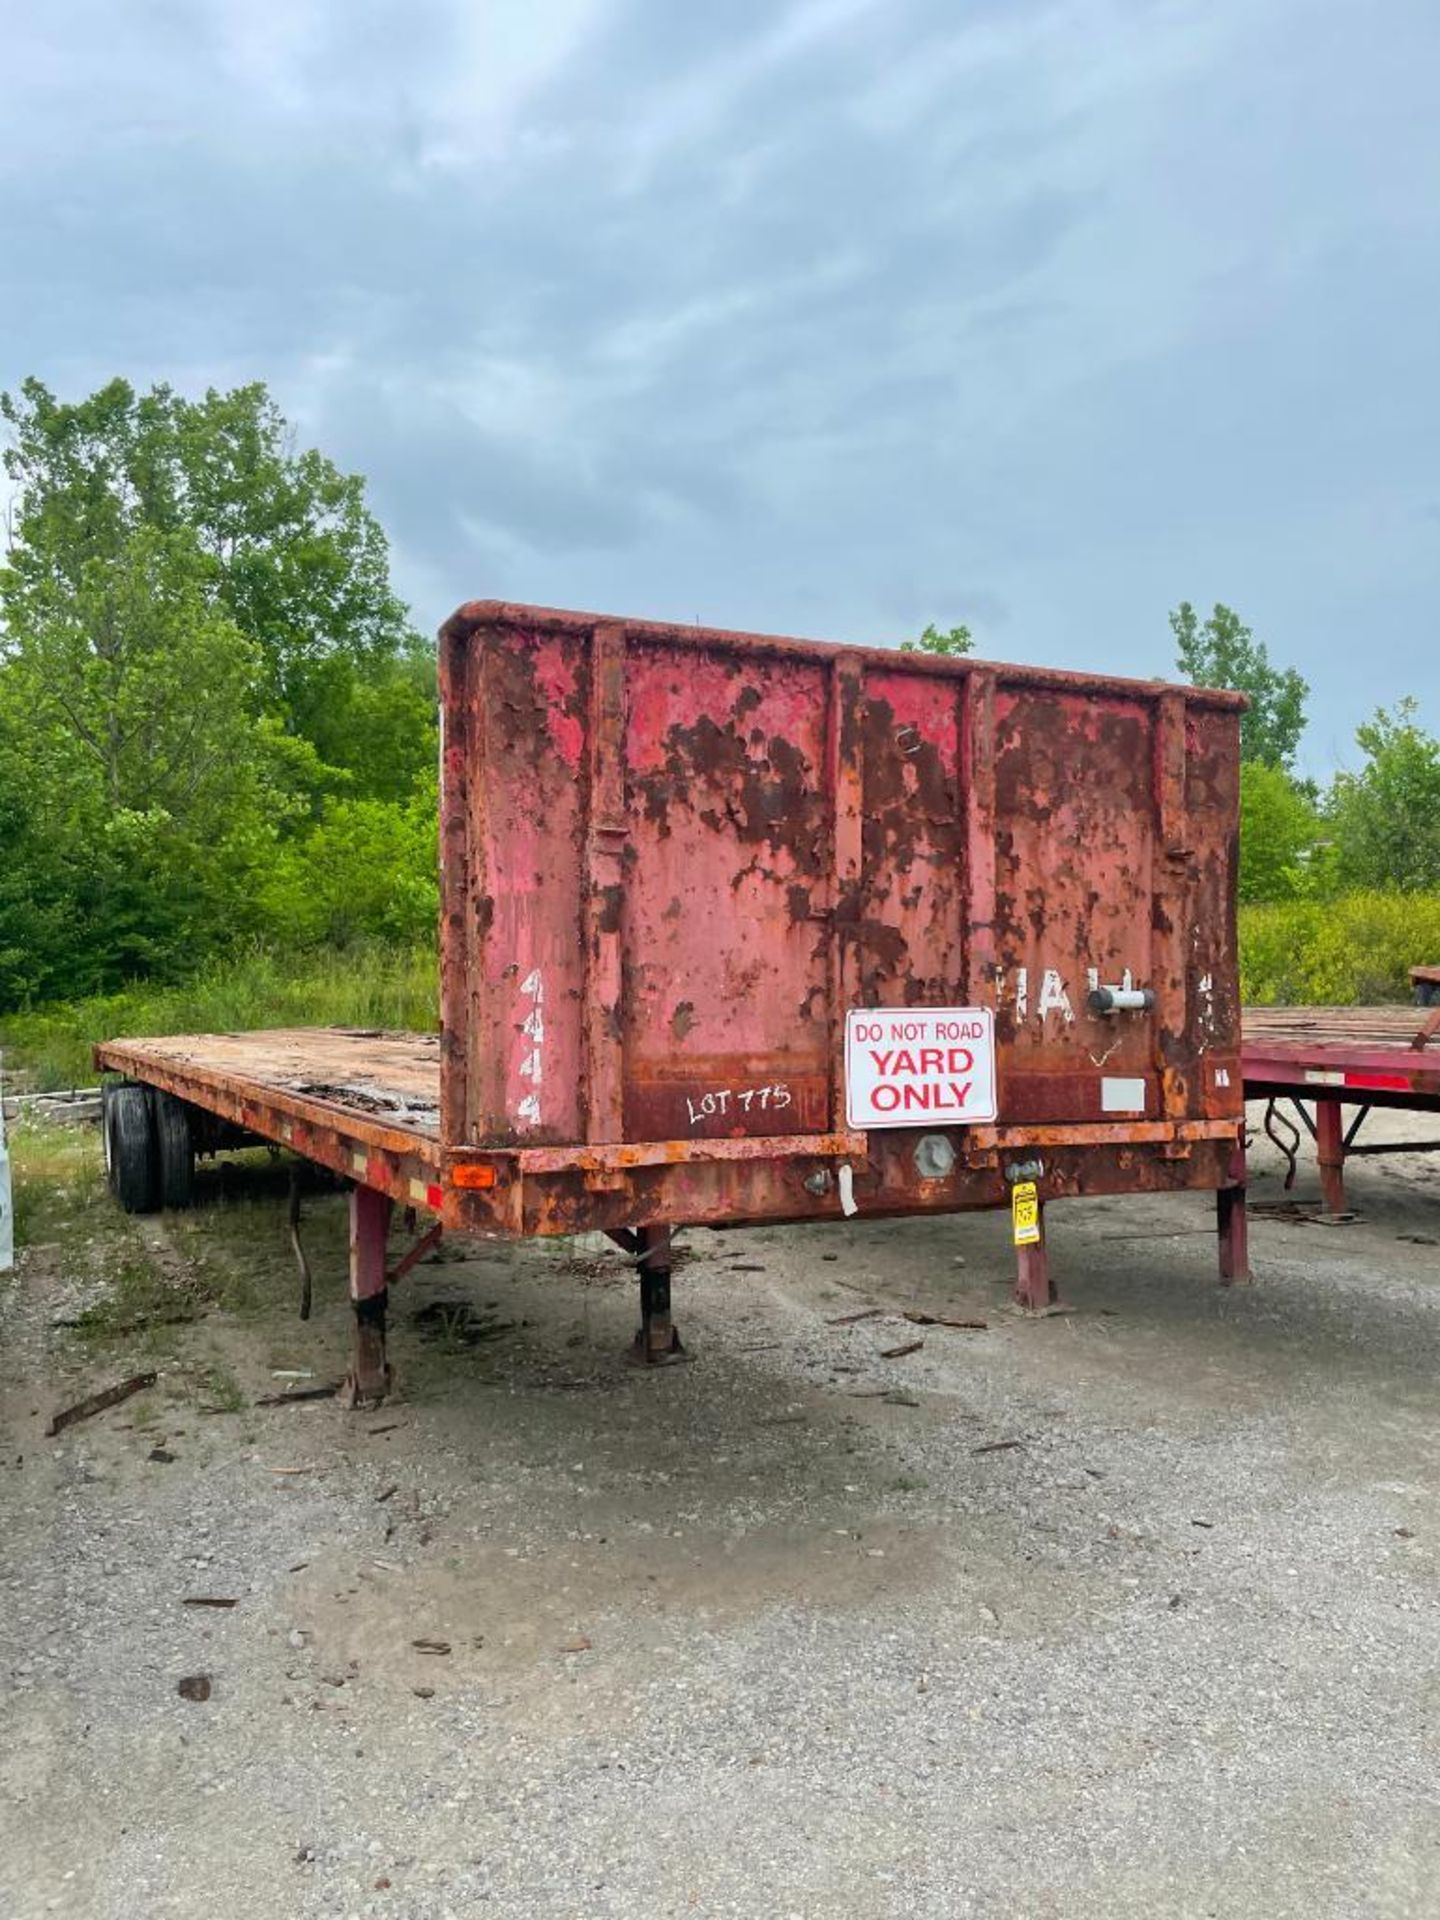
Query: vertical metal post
point(657, 1341)
point(1172, 877)
point(369, 1379)
point(846, 780)
point(1232, 1220)
point(978, 734)
point(1330, 1152)
point(607, 841)
point(1233, 1223)
point(1034, 1288)
point(459, 1030)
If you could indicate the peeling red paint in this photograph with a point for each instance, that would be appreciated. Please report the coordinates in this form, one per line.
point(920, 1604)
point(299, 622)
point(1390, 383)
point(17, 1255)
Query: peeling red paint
point(749, 836)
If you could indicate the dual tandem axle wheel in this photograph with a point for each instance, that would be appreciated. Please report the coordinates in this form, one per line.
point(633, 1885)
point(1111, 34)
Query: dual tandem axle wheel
point(149, 1148)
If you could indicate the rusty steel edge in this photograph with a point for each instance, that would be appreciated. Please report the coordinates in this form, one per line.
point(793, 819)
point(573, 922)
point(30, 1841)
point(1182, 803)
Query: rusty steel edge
point(745, 1191)
point(1367, 1052)
point(401, 1163)
point(476, 615)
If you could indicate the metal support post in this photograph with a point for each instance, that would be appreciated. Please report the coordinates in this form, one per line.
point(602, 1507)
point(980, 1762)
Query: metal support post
point(1330, 1152)
point(1034, 1289)
point(369, 1379)
point(1233, 1221)
point(657, 1341)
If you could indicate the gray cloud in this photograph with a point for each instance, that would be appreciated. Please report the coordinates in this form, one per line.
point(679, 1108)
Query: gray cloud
point(833, 317)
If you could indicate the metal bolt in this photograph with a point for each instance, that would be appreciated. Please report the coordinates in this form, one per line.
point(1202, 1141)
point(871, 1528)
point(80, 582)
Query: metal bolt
point(934, 1156)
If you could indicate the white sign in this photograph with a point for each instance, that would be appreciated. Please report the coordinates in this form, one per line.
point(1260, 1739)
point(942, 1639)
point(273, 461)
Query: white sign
point(920, 1067)
point(1122, 1096)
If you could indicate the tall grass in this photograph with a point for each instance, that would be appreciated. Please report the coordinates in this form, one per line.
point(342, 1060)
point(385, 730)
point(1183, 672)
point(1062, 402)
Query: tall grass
point(1353, 951)
point(372, 987)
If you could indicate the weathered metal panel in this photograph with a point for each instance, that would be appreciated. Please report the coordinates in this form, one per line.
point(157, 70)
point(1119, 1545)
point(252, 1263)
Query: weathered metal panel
point(1074, 829)
point(726, 898)
point(910, 933)
point(699, 850)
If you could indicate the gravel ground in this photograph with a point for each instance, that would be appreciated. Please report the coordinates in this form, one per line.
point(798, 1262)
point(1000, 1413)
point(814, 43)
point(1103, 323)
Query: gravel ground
point(1129, 1610)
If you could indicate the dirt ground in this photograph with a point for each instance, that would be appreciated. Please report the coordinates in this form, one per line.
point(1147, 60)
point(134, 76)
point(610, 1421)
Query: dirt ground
point(1131, 1610)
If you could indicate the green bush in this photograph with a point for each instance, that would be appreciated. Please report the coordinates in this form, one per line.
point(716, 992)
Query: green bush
point(1354, 950)
point(1278, 830)
point(367, 870)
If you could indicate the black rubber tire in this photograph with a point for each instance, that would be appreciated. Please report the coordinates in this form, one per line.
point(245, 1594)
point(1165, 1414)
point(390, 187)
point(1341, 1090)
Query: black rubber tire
point(131, 1162)
point(175, 1151)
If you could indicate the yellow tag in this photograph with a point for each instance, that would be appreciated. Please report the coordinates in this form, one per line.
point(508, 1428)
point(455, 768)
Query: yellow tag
point(1025, 1214)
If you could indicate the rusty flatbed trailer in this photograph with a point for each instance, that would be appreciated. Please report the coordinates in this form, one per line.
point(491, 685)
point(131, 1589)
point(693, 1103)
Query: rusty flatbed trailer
point(1330, 1058)
point(742, 928)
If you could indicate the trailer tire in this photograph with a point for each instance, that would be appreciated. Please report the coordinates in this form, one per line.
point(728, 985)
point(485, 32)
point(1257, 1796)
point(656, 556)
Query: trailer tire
point(131, 1163)
point(175, 1152)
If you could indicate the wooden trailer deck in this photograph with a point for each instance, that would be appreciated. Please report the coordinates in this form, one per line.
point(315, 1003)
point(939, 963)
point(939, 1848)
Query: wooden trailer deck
point(1334, 1057)
point(363, 1103)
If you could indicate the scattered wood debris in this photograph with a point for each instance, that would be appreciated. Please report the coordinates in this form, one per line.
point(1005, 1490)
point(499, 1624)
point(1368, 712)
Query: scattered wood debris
point(899, 1353)
point(94, 1403)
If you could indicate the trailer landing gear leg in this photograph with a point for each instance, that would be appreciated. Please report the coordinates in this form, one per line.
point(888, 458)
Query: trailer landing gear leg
point(369, 1378)
point(657, 1342)
point(1034, 1289)
point(1330, 1152)
point(1233, 1223)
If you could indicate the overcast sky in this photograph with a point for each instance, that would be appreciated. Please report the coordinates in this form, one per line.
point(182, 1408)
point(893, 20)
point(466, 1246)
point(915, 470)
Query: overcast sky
point(830, 317)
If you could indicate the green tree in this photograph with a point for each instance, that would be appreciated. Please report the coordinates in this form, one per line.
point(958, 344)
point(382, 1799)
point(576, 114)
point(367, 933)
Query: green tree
point(127, 705)
point(296, 560)
point(1223, 652)
point(1278, 831)
point(201, 666)
point(1386, 817)
point(946, 642)
point(366, 870)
